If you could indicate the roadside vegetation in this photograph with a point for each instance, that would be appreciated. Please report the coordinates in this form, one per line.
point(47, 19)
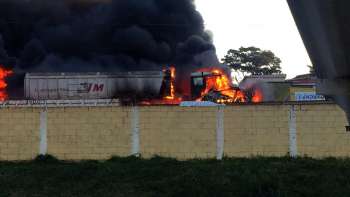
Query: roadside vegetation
point(47, 176)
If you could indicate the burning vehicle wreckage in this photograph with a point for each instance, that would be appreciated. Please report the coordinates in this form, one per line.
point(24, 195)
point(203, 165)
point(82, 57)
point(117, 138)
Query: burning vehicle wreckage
point(133, 88)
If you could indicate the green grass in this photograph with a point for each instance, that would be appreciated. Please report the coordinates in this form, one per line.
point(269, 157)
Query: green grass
point(167, 177)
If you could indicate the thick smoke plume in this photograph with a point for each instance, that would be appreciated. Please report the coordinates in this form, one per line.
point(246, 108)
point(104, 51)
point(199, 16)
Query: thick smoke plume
point(115, 35)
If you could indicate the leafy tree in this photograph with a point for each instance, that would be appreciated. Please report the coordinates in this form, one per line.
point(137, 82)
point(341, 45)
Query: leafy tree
point(252, 60)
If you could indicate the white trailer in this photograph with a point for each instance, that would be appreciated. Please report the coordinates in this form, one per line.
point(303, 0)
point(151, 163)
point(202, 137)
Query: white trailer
point(66, 86)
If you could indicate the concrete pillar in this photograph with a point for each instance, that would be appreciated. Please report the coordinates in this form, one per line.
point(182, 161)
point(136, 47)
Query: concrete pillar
point(293, 147)
point(135, 131)
point(220, 133)
point(43, 132)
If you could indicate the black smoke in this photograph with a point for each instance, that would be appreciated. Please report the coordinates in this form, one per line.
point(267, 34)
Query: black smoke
point(106, 36)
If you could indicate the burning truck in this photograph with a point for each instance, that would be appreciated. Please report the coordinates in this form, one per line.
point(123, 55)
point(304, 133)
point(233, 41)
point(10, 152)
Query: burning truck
point(145, 88)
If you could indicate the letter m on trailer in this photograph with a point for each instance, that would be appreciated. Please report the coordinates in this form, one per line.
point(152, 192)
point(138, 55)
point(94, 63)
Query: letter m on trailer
point(98, 88)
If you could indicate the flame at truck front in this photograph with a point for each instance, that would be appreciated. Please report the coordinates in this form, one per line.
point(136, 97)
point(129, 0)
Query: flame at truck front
point(213, 84)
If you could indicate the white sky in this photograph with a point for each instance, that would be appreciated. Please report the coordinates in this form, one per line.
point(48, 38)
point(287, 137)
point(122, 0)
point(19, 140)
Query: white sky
point(267, 24)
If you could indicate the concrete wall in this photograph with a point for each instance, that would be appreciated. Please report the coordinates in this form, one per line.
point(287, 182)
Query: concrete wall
point(178, 132)
point(321, 132)
point(88, 132)
point(76, 133)
point(257, 130)
point(19, 133)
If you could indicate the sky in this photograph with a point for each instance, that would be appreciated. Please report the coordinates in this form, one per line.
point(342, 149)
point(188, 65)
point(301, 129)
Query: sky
point(267, 24)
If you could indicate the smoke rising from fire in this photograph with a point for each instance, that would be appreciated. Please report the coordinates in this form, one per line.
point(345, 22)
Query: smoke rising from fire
point(115, 35)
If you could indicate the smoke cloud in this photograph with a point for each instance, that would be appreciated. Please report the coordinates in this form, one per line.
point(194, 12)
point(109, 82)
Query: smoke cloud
point(115, 35)
point(121, 34)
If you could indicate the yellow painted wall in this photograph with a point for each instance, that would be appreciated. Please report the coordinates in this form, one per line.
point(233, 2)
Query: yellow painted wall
point(75, 133)
point(181, 132)
point(321, 131)
point(256, 130)
point(19, 133)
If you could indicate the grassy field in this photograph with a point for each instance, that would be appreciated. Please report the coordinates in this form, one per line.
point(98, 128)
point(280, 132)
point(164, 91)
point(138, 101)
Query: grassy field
point(167, 177)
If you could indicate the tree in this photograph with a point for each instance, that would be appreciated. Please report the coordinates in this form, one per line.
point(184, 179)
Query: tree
point(252, 60)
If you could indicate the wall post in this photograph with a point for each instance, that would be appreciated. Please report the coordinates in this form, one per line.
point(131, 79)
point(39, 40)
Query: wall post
point(135, 131)
point(220, 133)
point(43, 132)
point(293, 147)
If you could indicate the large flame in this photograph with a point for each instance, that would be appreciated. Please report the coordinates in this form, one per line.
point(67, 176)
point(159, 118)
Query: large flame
point(219, 81)
point(3, 74)
point(171, 96)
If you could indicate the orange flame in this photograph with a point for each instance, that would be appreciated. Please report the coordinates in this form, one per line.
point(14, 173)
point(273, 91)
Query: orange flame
point(171, 98)
point(257, 96)
point(172, 84)
point(3, 74)
point(220, 82)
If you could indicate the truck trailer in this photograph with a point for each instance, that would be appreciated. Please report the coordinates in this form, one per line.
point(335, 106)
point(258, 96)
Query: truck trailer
point(73, 86)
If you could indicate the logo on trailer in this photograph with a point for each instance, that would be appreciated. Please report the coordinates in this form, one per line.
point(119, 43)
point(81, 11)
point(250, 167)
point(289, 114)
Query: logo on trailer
point(91, 88)
point(96, 87)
